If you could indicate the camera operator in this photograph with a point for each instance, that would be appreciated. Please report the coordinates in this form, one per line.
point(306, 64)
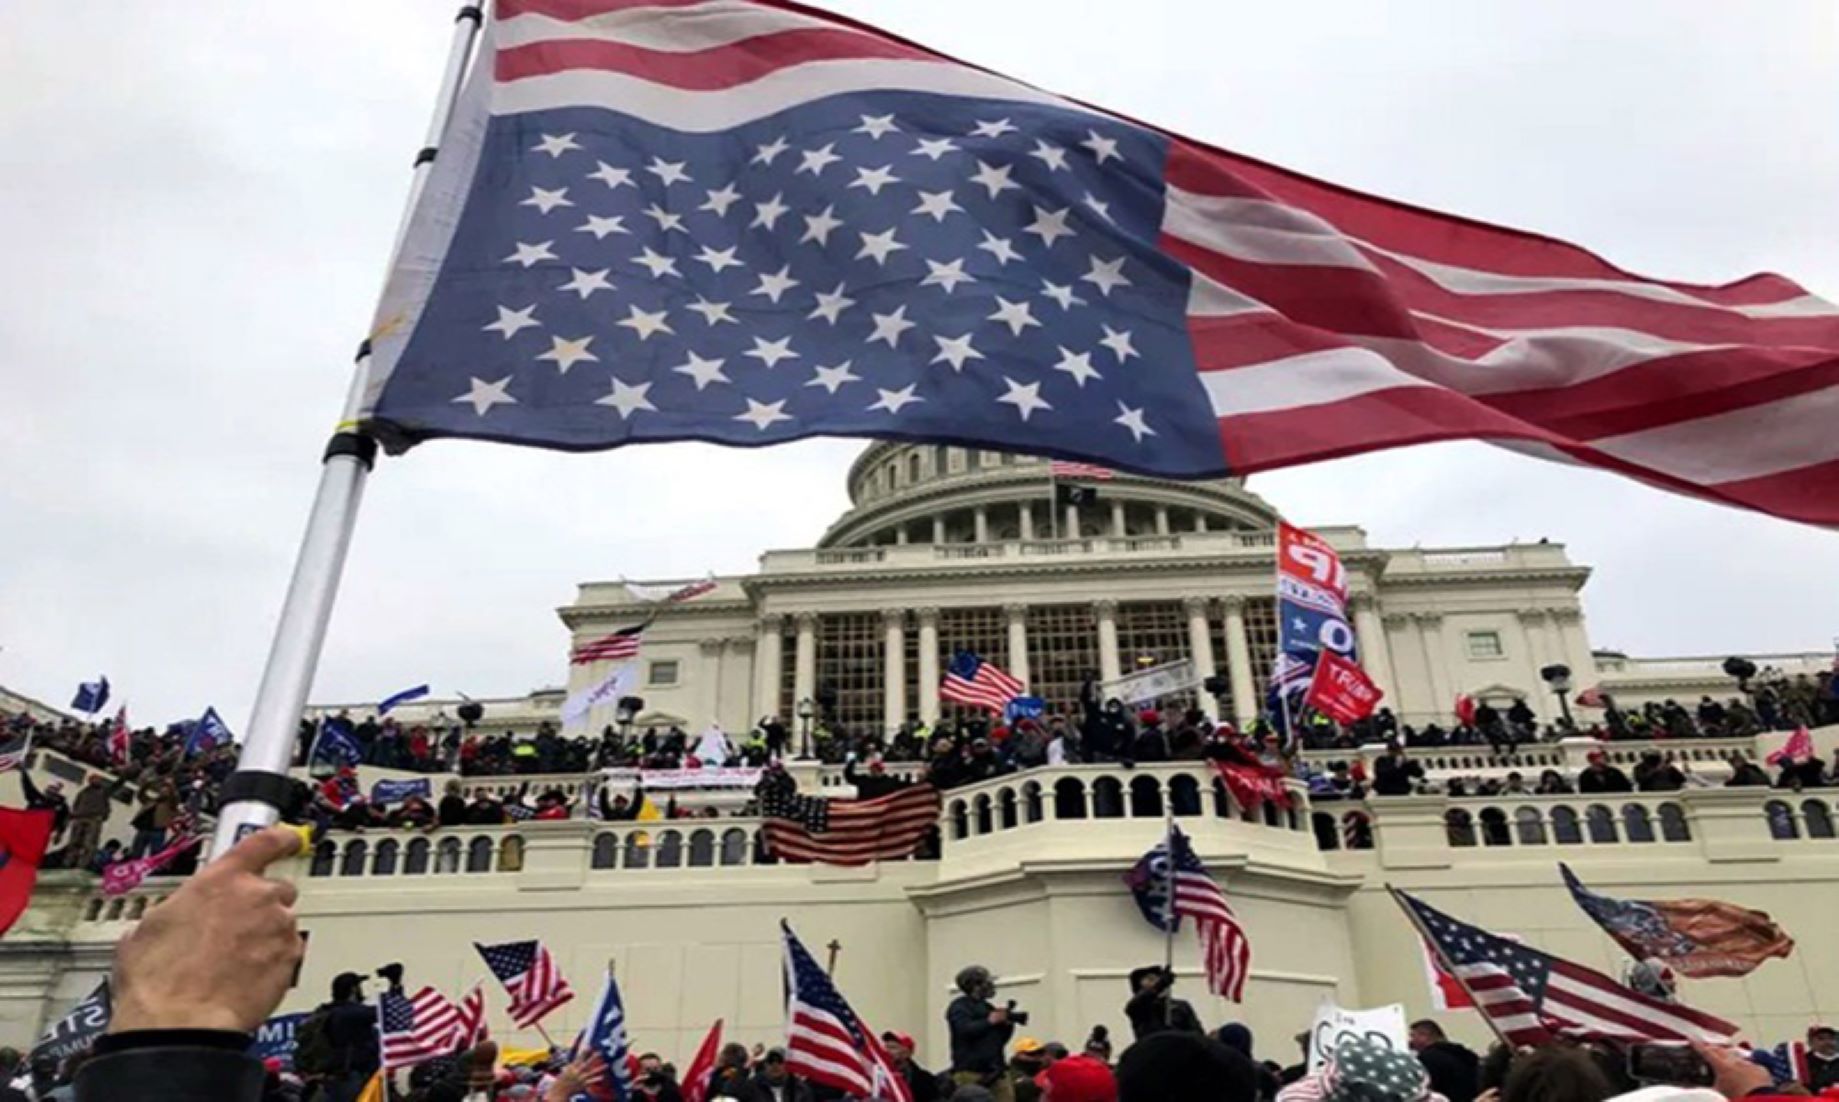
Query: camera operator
point(979, 1031)
point(1152, 1009)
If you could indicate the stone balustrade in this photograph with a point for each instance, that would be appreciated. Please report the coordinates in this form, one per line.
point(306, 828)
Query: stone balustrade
point(1568, 756)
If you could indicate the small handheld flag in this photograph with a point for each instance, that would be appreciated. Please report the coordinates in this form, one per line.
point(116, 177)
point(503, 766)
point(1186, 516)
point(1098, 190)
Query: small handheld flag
point(606, 1035)
point(207, 734)
point(981, 684)
point(1697, 937)
point(91, 696)
point(397, 699)
point(530, 976)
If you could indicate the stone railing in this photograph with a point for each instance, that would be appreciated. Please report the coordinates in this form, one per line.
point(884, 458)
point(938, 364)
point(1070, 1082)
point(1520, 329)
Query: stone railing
point(1568, 756)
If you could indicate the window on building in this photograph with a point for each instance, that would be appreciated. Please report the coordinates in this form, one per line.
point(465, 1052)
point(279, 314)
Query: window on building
point(1485, 644)
point(1261, 643)
point(940, 455)
point(1063, 651)
point(913, 467)
point(663, 672)
point(851, 659)
point(1154, 633)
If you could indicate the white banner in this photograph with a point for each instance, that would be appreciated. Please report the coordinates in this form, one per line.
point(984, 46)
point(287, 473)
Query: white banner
point(1383, 1026)
point(614, 685)
point(1150, 684)
point(663, 779)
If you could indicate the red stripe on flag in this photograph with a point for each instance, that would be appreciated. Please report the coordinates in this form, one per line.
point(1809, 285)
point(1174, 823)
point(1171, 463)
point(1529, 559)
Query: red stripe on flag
point(575, 10)
point(706, 70)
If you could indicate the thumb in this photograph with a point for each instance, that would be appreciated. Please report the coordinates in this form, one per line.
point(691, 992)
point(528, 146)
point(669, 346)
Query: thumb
point(259, 850)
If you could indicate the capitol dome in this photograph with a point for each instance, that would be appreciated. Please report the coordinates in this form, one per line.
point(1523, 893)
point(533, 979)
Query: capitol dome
point(925, 493)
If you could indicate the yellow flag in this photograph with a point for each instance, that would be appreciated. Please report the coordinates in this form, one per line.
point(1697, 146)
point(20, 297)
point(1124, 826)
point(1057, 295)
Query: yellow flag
point(648, 810)
point(373, 1091)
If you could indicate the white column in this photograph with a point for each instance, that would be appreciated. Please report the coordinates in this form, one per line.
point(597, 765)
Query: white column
point(980, 518)
point(928, 665)
point(900, 535)
point(1412, 679)
point(1119, 527)
point(736, 664)
point(1436, 662)
point(894, 670)
point(804, 668)
point(1200, 649)
point(1071, 531)
point(1018, 641)
point(1575, 646)
point(711, 676)
point(769, 655)
point(1027, 517)
point(938, 529)
point(1162, 520)
point(1108, 667)
point(1245, 698)
point(1200, 521)
point(1375, 654)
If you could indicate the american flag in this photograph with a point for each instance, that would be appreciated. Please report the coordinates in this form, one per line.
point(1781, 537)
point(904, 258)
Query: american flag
point(14, 749)
point(1061, 468)
point(1533, 997)
point(660, 220)
point(844, 832)
point(620, 645)
point(120, 741)
point(606, 1034)
point(473, 1030)
point(530, 977)
point(971, 680)
point(825, 1041)
point(1225, 950)
point(414, 1030)
point(670, 594)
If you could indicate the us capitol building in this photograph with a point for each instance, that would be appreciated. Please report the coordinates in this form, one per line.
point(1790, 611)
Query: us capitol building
point(946, 549)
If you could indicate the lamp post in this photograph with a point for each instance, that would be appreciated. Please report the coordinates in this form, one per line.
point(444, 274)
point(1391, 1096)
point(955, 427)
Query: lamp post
point(1559, 678)
point(806, 710)
point(627, 711)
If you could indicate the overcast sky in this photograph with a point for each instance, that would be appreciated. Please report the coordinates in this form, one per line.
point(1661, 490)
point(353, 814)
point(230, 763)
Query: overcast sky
point(196, 200)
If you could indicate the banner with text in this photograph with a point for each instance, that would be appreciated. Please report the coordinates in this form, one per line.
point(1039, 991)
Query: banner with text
point(663, 779)
point(1149, 685)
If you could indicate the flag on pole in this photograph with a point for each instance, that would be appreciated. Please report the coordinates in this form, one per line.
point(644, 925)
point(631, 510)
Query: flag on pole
point(124, 876)
point(678, 220)
point(473, 1030)
point(1092, 472)
point(670, 594)
point(403, 697)
point(617, 647)
point(1341, 690)
point(1151, 883)
point(14, 749)
point(1797, 750)
point(1534, 997)
point(844, 832)
point(606, 1035)
point(530, 976)
point(980, 684)
point(337, 742)
point(120, 740)
point(1226, 951)
point(702, 1065)
point(91, 696)
point(825, 1041)
point(414, 1030)
point(24, 836)
point(207, 733)
point(1696, 937)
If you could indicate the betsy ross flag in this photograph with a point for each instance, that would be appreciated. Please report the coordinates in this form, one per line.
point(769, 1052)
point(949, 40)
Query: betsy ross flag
point(755, 222)
point(1534, 998)
point(1696, 937)
point(971, 680)
point(414, 1030)
point(825, 1041)
point(1061, 468)
point(617, 647)
point(844, 832)
point(1170, 884)
point(530, 977)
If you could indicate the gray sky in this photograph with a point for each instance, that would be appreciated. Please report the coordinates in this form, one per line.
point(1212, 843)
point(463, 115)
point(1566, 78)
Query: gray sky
point(196, 200)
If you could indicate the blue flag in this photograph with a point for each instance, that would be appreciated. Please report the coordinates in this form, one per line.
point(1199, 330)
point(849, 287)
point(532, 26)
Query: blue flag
point(402, 697)
point(1151, 882)
point(208, 733)
point(91, 696)
point(337, 743)
point(389, 792)
point(1024, 707)
point(606, 1034)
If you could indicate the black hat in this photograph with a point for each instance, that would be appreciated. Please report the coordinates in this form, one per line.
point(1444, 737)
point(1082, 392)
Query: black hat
point(1137, 975)
point(346, 984)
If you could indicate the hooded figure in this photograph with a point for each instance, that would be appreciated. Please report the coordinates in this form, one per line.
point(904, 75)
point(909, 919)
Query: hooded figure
point(1152, 1010)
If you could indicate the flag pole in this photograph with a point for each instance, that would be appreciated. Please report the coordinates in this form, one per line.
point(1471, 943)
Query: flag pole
point(1053, 507)
point(1448, 965)
point(254, 794)
point(1169, 920)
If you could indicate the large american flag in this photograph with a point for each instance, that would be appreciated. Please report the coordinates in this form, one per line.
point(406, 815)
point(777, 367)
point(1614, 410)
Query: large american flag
point(750, 222)
point(620, 645)
point(844, 832)
point(825, 1041)
point(530, 977)
point(473, 1030)
point(979, 683)
point(415, 1029)
point(1533, 997)
point(1226, 952)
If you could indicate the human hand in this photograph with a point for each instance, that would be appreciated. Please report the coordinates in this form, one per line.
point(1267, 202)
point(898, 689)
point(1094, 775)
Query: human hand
point(1735, 1076)
point(576, 1078)
point(220, 952)
point(998, 1016)
point(1492, 1094)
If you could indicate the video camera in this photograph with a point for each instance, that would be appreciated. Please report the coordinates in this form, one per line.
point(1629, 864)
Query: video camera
point(1019, 1017)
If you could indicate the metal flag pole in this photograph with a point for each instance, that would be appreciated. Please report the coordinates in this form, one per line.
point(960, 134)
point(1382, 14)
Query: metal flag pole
point(1053, 502)
point(1169, 919)
point(1449, 966)
point(254, 794)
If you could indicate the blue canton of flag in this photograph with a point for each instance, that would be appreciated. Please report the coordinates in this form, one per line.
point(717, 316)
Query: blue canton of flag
point(208, 733)
point(1630, 921)
point(1150, 881)
point(606, 1034)
point(91, 696)
point(337, 742)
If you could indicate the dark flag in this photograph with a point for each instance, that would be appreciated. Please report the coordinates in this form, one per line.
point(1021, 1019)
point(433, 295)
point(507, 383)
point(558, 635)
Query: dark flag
point(1696, 937)
point(1151, 885)
point(91, 696)
point(337, 742)
point(76, 1031)
point(208, 733)
point(403, 697)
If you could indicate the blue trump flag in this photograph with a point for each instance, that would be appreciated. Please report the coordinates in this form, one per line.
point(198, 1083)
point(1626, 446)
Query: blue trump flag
point(402, 697)
point(606, 1034)
point(1024, 707)
point(1151, 882)
point(91, 696)
point(389, 792)
point(337, 742)
point(208, 733)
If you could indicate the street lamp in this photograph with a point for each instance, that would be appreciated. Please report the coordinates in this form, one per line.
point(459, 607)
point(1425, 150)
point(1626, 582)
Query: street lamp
point(806, 710)
point(1559, 678)
point(627, 711)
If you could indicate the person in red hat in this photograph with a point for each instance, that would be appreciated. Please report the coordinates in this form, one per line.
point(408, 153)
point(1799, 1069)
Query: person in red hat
point(1085, 1077)
point(922, 1084)
point(1600, 776)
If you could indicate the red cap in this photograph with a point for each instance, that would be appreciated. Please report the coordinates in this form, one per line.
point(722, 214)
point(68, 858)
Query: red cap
point(1080, 1079)
point(904, 1040)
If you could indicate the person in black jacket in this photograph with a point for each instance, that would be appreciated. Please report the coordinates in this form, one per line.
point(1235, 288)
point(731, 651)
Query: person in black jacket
point(452, 809)
point(49, 798)
point(194, 980)
point(1600, 776)
point(1455, 1071)
point(1152, 1009)
point(922, 1084)
point(979, 1031)
point(1394, 774)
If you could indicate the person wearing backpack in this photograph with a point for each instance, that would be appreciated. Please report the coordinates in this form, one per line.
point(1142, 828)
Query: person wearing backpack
point(336, 1047)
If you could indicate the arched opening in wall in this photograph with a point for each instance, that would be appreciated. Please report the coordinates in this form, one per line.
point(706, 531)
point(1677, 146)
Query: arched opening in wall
point(1069, 799)
point(1530, 826)
point(1494, 827)
point(1819, 819)
point(1781, 820)
point(670, 850)
point(1107, 798)
point(638, 850)
point(479, 855)
point(384, 863)
point(606, 851)
point(415, 860)
point(1357, 830)
point(1673, 825)
point(913, 468)
point(1031, 802)
point(1145, 798)
point(137, 908)
point(1600, 822)
point(113, 914)
point(702, 849)
point(1460, 826)
point(325, 855)
point(1006, 808)
point(734, 846)
point(960, 820)
point(1327, 831)
point(1271, 813)
point(93, 912)
point(981, 807)
point(1637, 826)
point(357, 854)
point(447, 856)
point(1567, 830)
point(1184, 795)
point(511, 854)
